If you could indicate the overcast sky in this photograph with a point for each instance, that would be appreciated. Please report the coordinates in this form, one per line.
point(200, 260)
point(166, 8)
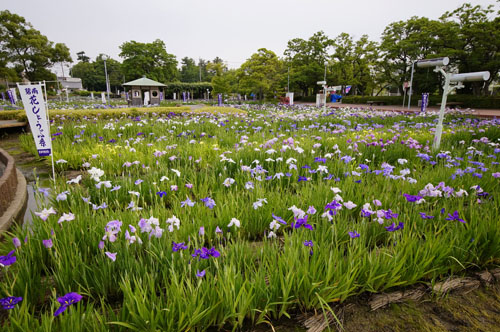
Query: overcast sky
point(230, 29)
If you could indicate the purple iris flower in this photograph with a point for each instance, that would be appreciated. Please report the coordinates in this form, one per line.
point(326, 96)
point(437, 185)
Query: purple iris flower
point(354, 234)
point(412, 198)
point(366, 213)
point(390, 215)
point(393, 227)
point(279, 219)
point(10, 302)
point(302, 178)
point(205, 253)
point(201, 231)
point(187, 202)
point(44, 191)
point(455, 216)
point(161, 193)
point(364, 167)
point(309, 244)
point(209, 202)
point(111, 255)
point(443, 211)
point(16, 242)
point(200, 274)
point(47, 243)
point(178, 246)
point(66, 301)
point(425, 216)
point(333, 206)
point(302, 222)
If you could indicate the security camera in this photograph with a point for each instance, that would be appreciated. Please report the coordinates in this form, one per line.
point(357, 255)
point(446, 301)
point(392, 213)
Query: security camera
point(433, 62)
point(470, 77)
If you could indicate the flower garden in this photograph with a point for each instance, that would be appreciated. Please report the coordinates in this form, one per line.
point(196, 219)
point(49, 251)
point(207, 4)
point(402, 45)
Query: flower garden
point(224, 218)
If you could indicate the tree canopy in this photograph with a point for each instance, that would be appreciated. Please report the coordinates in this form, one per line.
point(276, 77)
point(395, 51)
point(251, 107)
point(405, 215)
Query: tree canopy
point(149, 59)
point(25, 52)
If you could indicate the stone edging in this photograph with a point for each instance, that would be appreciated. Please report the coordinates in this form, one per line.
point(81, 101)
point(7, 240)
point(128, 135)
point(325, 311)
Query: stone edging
point(13, 192)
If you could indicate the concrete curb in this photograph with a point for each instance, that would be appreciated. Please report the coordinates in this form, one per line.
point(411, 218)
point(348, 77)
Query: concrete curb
point(14, 193)
point(17, 208)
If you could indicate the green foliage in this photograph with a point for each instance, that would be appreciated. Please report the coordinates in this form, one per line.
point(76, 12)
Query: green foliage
point(467, 101)
point(256, 279)
point(26, 50)
point(352, 63)
point(189, 72)
point(149, 59)
point(306, 60)
point(261, 74)
point(471, 37)
point(93, 74)
point(197, 89)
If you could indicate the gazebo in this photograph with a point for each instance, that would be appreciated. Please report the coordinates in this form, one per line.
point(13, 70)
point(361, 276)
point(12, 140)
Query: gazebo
point(144, 91)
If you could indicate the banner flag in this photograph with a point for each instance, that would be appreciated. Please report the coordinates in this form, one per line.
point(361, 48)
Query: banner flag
point(34, 104)
point(425, 101)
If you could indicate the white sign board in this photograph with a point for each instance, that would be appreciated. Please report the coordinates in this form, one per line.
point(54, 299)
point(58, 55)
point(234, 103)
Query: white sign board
point(320, 100)
point(289, 95)
point(103, 97)
point(34, 104)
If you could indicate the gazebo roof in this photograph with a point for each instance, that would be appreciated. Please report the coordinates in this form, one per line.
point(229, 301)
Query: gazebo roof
point(144, 81)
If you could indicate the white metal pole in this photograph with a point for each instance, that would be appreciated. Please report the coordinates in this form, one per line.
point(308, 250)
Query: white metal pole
point(439, 127)
point(107, 80)
point(288, 89)
point(404, 95)
point(411, 83)
point(48, 126)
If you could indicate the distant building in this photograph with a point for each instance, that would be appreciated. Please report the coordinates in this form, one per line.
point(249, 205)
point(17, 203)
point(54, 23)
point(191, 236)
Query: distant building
point(70, 83)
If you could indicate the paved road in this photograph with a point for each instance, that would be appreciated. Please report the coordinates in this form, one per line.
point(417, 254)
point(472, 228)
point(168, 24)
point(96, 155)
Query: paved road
point(480, 112)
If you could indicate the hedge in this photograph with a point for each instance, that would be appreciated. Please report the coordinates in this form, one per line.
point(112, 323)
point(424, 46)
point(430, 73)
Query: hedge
point(468, 101)
point(117, 112)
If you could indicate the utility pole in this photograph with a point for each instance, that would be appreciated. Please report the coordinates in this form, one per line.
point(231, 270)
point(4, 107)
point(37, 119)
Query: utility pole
point(199, 66)
point(288, 89)
point(105, 57)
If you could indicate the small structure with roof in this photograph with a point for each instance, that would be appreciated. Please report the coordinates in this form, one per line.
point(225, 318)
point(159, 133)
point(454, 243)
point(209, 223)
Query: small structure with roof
point(70, 83)
point(144, 91)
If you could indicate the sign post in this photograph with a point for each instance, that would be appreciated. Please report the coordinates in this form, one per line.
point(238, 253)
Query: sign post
point(38, 118)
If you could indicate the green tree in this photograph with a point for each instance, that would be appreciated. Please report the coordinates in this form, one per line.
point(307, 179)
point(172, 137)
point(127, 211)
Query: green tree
point(352, 63)
point(149, 59)
point(306, 60)
point(472, 41)
point(27, 50)
point(189, 72)
point(404, 42)
point(93, 74)
point(60, 54)
point(82, 57)
point(261, 74)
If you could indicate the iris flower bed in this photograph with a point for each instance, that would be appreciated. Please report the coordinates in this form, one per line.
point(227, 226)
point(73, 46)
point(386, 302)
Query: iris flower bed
point(191, 221)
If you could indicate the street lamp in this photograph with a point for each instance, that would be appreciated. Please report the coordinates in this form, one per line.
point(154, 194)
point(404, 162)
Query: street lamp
point(425, 64)
point(447, 89)
point(106, 57)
